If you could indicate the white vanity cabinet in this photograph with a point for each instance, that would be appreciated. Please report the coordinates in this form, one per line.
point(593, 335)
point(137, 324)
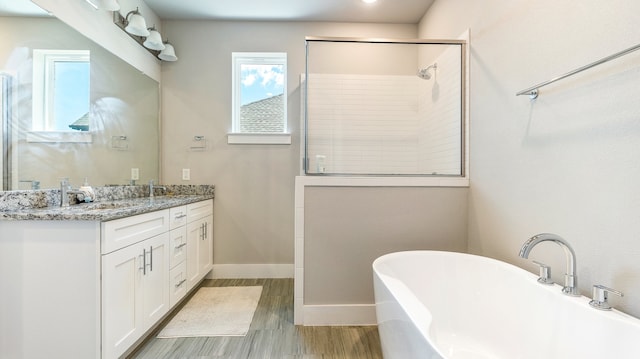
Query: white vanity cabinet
point(135, 278)
point(92, 288)
point(199, 241)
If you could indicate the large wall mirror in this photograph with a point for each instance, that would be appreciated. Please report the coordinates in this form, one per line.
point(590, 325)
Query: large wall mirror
point(70, 108)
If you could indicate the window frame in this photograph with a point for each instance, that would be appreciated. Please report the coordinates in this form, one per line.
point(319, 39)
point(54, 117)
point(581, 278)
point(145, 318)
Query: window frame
point(43, 118)
point(236, 136)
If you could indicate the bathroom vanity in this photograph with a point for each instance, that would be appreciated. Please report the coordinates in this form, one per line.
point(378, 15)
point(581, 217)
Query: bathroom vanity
point(89, 281)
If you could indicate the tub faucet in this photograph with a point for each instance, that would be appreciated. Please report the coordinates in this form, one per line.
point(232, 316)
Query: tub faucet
point(570, 277)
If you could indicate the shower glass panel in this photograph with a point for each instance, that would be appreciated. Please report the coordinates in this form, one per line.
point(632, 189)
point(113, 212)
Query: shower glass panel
point(5, 130)
point(384, 107)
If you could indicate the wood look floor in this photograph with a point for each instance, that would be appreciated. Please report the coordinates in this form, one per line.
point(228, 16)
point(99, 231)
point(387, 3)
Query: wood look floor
point(272, 334)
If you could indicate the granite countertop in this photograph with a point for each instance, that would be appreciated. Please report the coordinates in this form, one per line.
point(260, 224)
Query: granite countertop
point(110, 207)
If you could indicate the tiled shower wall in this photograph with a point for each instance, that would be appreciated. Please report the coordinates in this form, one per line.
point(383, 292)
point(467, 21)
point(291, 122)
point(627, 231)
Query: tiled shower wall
point(377, 124)
point(440, 116)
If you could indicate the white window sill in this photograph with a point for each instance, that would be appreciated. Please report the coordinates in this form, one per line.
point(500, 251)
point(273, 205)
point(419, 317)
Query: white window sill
point(259, 138)
point(59, 136)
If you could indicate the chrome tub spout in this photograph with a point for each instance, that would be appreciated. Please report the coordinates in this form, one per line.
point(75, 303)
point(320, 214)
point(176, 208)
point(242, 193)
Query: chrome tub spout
point(570, 277)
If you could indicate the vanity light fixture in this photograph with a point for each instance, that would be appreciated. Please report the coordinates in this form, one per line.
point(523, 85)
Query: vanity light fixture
point(136, 25)
point(169, 53)
point(109, 5)
point(154, 40)
point(150, 39)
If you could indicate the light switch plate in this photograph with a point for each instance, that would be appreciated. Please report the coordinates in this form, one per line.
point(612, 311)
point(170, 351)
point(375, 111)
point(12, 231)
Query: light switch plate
point(186, 174)
point(135, 174)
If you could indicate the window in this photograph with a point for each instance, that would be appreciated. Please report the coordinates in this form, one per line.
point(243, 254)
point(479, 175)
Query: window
point(60, 90)
point(259, 98)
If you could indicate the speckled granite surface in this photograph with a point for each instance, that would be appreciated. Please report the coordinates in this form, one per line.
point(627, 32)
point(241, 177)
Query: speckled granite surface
point(112, 202)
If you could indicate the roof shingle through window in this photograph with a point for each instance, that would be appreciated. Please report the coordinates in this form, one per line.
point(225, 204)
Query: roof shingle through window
point(263, 116)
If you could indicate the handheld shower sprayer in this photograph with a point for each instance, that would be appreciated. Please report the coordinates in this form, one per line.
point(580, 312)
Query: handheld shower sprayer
point(424, 73)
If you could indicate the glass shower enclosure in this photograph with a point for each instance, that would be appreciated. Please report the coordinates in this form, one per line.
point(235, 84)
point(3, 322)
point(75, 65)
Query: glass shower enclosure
point(384, 107)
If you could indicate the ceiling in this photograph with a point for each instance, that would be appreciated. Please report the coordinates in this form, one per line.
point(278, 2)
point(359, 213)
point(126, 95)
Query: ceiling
point(382, 11)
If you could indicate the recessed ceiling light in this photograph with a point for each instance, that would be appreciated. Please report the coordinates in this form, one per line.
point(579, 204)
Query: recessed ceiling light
point(369, 1)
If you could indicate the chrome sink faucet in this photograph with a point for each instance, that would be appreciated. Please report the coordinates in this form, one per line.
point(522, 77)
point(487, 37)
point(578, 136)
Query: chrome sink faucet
point(570, 277)
point(65, 191)
point(152, 188)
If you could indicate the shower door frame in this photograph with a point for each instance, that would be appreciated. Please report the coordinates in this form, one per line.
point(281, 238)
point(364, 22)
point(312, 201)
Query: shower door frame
point(8, 131)
point(464, 116)
point(5, 130)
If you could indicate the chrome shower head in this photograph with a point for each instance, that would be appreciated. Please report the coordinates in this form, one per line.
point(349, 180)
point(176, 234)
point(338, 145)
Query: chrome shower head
point(424, 73)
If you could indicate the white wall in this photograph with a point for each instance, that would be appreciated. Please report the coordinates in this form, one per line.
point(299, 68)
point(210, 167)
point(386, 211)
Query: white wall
point(347, 228)
point(566, 163)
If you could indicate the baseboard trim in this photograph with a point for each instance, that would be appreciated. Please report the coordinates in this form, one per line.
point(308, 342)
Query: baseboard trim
point(339, 315)
point(232, 271)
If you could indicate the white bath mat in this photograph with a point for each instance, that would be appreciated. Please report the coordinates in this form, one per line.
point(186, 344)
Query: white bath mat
point(215, 311)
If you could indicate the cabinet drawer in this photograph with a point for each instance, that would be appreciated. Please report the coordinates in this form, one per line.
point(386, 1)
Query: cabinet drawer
point(199, 209)
point(177, 217)
point(178, 280)
point(178, 246)
point(123, 232)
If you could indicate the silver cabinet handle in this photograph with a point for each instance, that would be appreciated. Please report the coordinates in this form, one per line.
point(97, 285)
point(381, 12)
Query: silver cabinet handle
point(600, 296)
point(180, 245)
point(144, 261)
point(206, 230)
point(545, 273)
point(180, 216)
point(180, 283)
point(151, 258)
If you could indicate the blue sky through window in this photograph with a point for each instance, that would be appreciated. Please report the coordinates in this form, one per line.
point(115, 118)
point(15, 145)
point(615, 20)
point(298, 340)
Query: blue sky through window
point(260, 82)
point(71, 89)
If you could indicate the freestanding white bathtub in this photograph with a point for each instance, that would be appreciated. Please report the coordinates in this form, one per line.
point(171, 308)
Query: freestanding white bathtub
point(433, 304)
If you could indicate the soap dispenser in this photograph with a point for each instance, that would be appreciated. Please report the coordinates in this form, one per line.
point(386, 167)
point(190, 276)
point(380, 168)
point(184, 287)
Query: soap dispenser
point(89, 194)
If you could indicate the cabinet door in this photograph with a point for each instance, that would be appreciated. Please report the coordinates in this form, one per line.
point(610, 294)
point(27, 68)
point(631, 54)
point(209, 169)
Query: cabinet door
point(205, 248)
point(194, 237)
point(135, 292)
point(121, 321)
point(155, 282)
point(199, 241)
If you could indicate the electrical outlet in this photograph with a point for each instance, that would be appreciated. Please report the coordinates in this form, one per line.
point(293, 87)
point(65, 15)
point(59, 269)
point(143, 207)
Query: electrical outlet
point(186, 174)
point(135, 174)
